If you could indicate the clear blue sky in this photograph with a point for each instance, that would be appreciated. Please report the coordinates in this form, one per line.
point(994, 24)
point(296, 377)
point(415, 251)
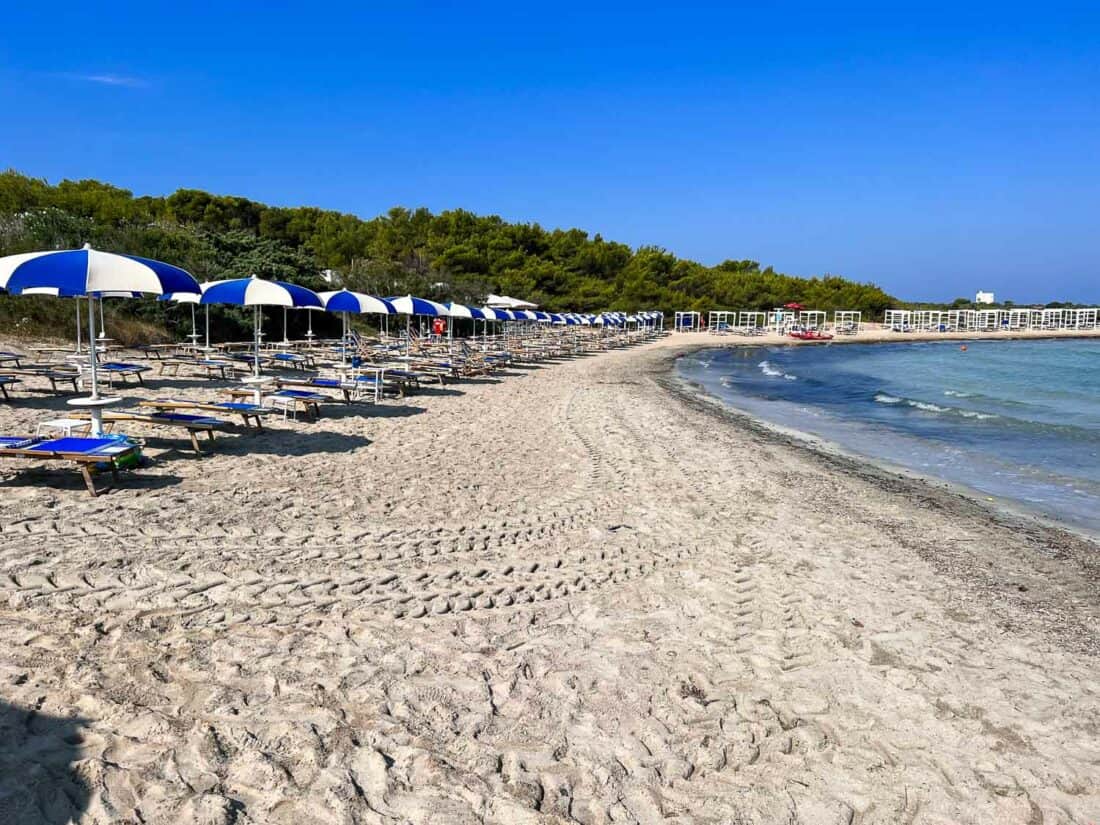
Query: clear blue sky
point(934, 148)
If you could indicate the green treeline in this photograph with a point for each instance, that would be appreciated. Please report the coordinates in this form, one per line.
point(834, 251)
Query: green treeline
point(455, 255)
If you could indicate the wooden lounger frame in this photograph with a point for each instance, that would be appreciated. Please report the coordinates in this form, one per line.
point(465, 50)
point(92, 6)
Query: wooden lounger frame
point(84, 462)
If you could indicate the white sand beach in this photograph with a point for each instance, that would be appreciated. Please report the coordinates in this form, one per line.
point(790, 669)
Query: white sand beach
point(572, 593)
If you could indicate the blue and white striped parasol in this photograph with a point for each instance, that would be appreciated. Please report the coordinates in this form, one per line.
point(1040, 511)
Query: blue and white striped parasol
point(344, 300)
point(410, 305)
point(256, 292)
point(463, 311)
point(91, 272)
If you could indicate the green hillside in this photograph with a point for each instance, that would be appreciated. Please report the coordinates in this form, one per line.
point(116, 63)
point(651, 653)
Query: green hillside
point(453, 255)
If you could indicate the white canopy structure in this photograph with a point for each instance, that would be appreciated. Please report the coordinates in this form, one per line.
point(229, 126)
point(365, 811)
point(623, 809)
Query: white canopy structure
point(506, 302)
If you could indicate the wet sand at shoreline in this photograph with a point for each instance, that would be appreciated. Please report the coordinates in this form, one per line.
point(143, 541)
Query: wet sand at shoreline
point(574, 594)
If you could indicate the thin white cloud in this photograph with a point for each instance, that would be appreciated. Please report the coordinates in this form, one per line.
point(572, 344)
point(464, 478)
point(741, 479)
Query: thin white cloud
point(112, 80)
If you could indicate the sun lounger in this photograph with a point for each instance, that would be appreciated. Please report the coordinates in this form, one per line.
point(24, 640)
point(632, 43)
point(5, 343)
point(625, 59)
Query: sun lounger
point(292, 359)
point(118, 369)
point(5, 382)
point(158, 352)
point(54, 376)
point(249, 413)
point(213, 367)
point(193, 424)
point(11, 358)
point(87, 453)
point(351, 388)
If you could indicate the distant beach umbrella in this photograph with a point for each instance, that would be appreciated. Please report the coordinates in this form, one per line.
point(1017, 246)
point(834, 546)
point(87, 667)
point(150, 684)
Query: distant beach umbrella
point(344, 300)
point(410, 305)
point(462, 311)
point(256, 292)
point(493, 314)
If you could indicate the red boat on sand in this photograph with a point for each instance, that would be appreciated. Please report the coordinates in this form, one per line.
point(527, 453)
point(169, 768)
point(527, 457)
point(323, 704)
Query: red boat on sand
point(810, 335)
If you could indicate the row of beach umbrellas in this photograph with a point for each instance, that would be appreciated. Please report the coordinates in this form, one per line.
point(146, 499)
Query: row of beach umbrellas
point(96, 275)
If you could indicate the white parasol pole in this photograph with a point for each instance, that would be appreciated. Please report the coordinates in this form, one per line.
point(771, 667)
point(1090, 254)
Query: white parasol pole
point(256, 357)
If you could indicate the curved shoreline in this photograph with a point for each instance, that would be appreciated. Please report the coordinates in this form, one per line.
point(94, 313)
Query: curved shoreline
point(1013, 527)
point(1013, 510)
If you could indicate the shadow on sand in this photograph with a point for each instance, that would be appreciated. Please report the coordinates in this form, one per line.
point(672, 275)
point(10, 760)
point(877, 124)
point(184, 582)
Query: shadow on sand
point(66, 479)
point(38, 785)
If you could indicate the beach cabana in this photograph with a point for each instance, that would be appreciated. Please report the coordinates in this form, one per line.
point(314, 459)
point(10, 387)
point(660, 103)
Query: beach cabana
point(686, 321)
point(813, 319)
point(719, 321)
point(1018, 319)
point(751, 322)
point(897, 320)
point(990, 320)
point(847, 322)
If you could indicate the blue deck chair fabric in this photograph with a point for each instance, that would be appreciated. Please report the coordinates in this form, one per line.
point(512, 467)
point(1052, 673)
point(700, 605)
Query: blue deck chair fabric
point(16, 441)
point(241, 406)
point(304, 394)
point(119, 366)
point(185, 418)
point(78, 445)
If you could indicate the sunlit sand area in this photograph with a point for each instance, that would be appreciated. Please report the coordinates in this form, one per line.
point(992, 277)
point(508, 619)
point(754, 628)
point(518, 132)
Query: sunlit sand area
point(565, 590)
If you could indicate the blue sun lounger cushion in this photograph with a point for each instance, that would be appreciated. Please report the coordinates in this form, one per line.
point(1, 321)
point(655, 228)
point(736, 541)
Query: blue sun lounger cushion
point(303, 394)
point(185, 418)
point(16, 441)
point(89, 446)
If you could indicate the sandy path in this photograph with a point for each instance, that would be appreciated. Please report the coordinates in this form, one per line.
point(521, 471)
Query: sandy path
point(569, 596)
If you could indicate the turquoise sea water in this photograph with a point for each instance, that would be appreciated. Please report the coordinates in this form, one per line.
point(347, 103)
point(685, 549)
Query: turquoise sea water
point(1013, 419)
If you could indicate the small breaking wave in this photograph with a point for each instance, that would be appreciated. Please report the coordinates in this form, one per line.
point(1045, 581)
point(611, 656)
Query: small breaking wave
point(886, 398)
point(767, 368)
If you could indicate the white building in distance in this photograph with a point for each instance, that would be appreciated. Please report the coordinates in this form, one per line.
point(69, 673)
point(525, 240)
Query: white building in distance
point(984, 298)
